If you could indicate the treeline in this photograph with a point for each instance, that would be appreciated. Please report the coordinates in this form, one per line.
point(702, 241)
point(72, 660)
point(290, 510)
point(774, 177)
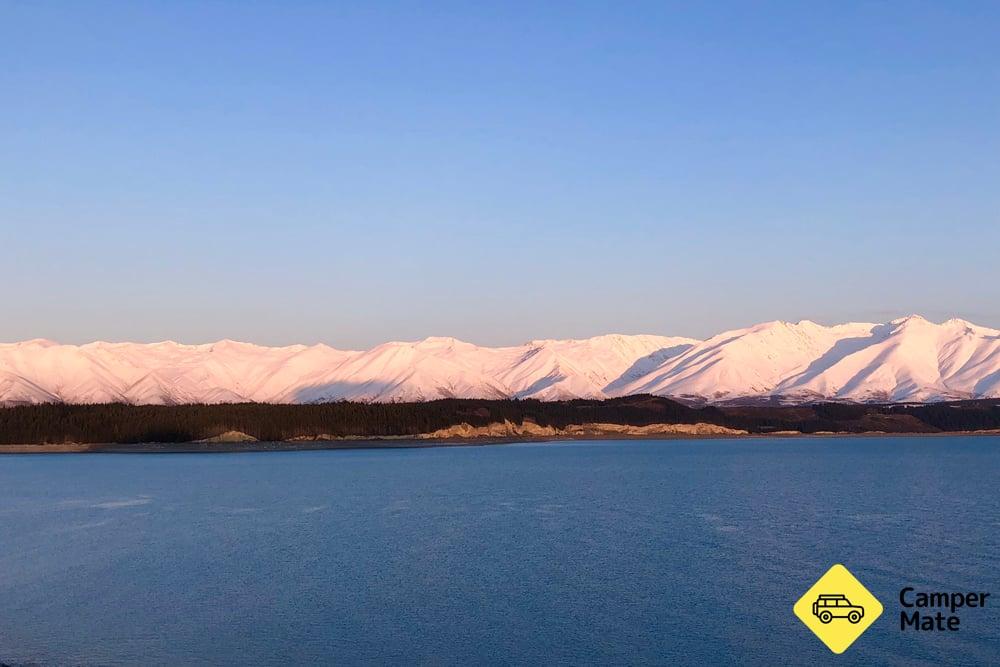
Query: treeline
point(117, 422)
point(120, 423)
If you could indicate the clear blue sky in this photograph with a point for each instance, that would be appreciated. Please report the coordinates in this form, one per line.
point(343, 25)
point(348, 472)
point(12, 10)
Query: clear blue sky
point(359, 172)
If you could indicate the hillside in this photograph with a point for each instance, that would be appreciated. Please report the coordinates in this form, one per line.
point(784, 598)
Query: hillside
point(905, 360)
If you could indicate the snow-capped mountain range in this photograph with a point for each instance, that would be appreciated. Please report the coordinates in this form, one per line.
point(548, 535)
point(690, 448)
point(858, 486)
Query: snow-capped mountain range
point(908, 359)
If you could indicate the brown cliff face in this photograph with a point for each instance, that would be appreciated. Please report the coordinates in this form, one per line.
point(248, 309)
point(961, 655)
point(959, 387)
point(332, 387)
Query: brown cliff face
point(508, 429)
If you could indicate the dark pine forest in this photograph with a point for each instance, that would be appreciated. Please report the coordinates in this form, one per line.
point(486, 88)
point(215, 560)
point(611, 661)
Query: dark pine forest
point(120, 423)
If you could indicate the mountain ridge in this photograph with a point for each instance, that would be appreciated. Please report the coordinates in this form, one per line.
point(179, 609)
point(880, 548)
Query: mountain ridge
point(908, 359)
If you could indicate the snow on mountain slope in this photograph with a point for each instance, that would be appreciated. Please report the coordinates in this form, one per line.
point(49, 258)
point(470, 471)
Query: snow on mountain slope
point(228, 371)
point(427, 370)
point(744, 363)
point(909, 359)
point(561, 369)
point(16, 390)
point(446, 368)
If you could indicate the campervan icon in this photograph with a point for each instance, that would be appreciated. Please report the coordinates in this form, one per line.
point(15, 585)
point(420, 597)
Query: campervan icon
point(828, 607)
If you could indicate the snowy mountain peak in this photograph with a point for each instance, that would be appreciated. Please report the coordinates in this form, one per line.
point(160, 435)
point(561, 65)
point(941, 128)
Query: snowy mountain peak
point(36, 342)
point(912, 321)
point(442, 341)
point(906, 359)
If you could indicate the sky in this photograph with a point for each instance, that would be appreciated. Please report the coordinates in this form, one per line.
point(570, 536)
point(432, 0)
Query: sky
point(353, 173)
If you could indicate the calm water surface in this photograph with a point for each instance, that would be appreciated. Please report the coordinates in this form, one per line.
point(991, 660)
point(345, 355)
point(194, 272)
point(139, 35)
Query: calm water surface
point(594, 552)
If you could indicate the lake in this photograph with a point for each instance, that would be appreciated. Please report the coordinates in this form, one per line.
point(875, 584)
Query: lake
point(653, 552)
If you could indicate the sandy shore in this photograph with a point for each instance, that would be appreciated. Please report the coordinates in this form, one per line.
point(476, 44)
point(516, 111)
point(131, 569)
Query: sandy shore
point(455, 437)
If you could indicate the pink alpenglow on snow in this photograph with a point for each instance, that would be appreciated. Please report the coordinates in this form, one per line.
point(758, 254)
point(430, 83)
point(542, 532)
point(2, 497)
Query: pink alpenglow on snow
point(908, 359)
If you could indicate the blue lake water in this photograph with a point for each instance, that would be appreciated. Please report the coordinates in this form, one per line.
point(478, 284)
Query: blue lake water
point(577, 553)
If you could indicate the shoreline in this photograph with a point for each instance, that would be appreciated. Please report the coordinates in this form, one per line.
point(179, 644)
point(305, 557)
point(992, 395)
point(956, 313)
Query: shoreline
point(69, 428)
point(418, 442)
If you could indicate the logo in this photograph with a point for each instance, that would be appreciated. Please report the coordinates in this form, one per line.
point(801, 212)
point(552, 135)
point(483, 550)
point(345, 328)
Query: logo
point(838, 609)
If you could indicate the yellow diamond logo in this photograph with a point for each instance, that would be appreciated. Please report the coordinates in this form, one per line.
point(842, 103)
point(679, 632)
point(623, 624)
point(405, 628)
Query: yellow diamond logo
point(838, 608)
